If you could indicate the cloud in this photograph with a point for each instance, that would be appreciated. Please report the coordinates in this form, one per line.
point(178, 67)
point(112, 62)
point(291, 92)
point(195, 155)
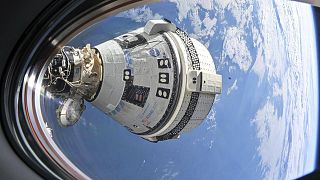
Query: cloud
point(232, 69)
point(242, 11)
point(271, 133)
point(203, 27)
point(259, 67)
point(276, 44)
point(233, 87)
point(142, 14)
point(284, 139)
point(235, 47)
point(235, 38)
point(168, 173)
point(210, 121)
point(276, 90)
point(222, 4)
point(184, 7)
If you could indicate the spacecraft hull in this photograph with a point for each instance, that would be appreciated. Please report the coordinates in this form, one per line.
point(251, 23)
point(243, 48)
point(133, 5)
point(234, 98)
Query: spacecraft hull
point(156, 80)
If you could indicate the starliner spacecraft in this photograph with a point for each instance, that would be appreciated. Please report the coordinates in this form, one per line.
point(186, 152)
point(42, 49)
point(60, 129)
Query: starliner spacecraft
point(156, 81)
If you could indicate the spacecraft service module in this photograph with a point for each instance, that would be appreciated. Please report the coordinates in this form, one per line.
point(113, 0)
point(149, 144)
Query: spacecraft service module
point(156, 81)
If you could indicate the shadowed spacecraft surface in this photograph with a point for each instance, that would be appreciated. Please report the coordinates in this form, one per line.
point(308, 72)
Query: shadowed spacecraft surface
point(156, 81)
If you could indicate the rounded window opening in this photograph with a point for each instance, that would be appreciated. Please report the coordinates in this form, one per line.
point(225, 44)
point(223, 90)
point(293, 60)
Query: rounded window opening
point(144, 93)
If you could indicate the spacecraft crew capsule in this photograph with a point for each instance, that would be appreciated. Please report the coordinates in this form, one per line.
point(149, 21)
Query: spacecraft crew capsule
point(156, 81)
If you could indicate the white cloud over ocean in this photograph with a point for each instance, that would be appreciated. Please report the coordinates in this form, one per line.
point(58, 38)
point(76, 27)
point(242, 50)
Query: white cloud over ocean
point(234, 87)
point(142, 14)
point(284, 130)
point(284, 137)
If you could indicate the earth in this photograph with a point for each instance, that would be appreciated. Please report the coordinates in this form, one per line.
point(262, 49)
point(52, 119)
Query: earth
point(262, 126)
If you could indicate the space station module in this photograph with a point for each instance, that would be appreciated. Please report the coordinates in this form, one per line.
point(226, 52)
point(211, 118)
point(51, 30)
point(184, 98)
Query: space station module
point(156, 81)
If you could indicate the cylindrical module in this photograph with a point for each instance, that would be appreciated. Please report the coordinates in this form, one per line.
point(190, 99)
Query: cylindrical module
point(156, 81)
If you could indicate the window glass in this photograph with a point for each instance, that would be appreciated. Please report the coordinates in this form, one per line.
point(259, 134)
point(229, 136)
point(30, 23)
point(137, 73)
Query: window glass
point(263, 125)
